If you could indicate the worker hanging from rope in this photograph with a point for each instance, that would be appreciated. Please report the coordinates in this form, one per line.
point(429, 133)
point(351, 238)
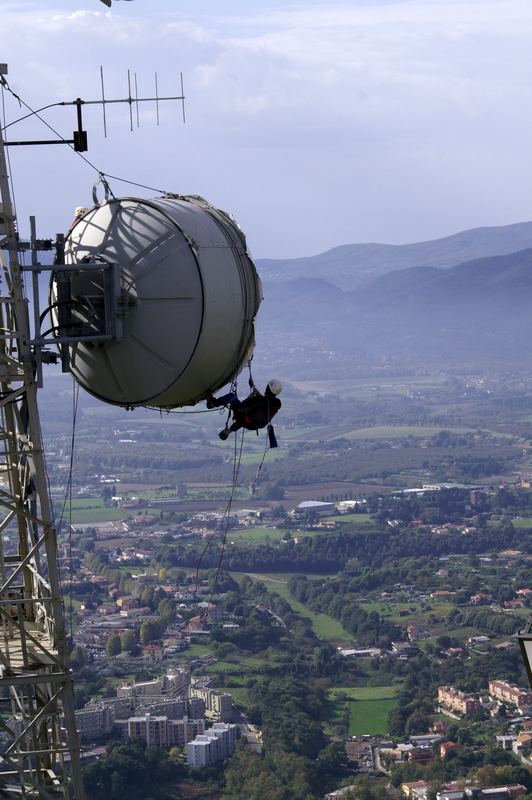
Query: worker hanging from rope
point(253, 413)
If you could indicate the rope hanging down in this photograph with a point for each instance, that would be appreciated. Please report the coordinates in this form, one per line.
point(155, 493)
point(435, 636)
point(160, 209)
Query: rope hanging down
point(237, 460)
point(253, 485)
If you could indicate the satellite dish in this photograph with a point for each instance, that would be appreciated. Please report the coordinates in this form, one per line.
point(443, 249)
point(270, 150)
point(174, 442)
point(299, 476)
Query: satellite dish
point(189, 293)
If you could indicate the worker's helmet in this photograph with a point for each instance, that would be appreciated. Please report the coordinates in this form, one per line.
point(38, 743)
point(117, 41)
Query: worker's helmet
point(275, 386)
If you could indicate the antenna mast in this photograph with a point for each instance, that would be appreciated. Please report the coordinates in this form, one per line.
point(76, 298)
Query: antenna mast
point(39, 743)
point(38, 757)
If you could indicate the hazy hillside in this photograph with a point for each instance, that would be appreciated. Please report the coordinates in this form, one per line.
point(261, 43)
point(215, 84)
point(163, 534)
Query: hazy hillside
point(476, 312)
point(353, 265)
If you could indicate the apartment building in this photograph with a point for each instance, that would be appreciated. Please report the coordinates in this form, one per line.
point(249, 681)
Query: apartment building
point(484, 793)
point(216, 744)
point(169, 685)
point(172, 707)
point(182, 731)
point(421, 755)
point(218, 705)
point(415, 790)
point(508, 693)
point(152, 730)
point(451, 699)
point(93, 721)
point(163, 732)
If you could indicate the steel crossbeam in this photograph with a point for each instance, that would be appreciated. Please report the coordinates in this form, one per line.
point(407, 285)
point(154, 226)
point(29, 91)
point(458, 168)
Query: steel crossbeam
point(41, 758)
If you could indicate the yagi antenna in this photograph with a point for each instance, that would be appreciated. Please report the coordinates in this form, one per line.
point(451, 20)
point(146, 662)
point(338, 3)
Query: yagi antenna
point(79, 140)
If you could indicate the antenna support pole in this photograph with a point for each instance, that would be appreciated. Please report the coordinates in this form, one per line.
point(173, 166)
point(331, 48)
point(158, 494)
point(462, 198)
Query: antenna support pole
point(79, 140)
point(42, 756)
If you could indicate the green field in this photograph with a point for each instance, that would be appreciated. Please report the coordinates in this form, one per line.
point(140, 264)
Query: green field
point(463, 633)
point(522, 522)
point(86, 515)
point(400, 431)
point(198, 650)
point(239, 665)
point(345, 385)
point(368, 707)
point(256, 458)
point(239, 694)
point(352, 519)
point(325, 627)
point(232, 676)
point(411, 612)
point(91, 510)
point(261, 535)
point(306, 432)
point(255, 535)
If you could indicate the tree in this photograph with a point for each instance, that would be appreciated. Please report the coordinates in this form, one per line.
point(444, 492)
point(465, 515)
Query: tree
point(149, 630)
point(128, 641)
point(167, 609)
point(326, 660)
point(332, 761)
point(107, 493)
point(113, 646)
point(146, 596)
point(78, 657)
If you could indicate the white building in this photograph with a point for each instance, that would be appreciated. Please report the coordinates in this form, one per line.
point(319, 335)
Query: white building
point(316, 506)
point(216, 744)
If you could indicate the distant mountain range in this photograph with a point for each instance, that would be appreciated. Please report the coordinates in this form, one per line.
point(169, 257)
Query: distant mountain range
point(459, 302)
point(474, 313)
point(352, 265)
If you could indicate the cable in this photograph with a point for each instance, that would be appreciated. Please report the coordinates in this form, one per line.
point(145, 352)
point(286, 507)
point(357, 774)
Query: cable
point(251, 382)
point(225, 517)
point(102, 174)
point(173, 411)
point(68, 495)
point(75, 401)
point(50, 127)
point(228, 513)
point(31, 114)
point(266, 448)
point(134, 183)
point(7, 154)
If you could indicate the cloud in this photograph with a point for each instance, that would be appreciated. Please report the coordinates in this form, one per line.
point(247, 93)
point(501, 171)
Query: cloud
point(410, 112)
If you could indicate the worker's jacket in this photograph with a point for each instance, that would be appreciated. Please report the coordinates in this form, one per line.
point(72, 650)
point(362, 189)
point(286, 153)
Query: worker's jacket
point(256, 411)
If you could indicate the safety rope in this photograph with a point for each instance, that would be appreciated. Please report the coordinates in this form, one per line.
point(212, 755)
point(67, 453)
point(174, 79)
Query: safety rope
point(236, 469)
point(251, 381)
point(237, 459)
point(253, 485)
point(68, 496)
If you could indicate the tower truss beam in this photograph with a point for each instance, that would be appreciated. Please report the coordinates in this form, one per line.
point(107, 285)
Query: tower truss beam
point(39, 744)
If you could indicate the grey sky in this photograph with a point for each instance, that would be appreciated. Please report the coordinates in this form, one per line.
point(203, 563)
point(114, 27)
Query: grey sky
point(315, 123)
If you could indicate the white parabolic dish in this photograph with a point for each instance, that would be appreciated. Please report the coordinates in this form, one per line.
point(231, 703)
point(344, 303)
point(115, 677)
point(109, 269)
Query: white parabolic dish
point(189, 293)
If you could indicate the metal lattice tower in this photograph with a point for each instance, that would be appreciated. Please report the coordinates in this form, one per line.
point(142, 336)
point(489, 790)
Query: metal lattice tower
point(39, 744)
